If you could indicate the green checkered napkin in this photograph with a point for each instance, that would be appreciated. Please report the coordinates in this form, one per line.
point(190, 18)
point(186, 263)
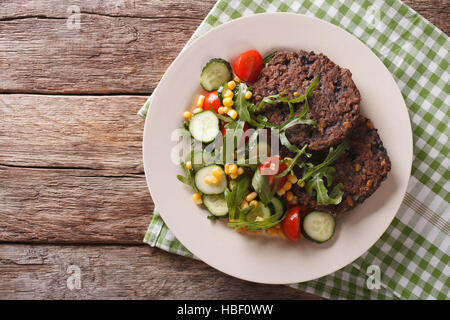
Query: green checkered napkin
point(413, 254)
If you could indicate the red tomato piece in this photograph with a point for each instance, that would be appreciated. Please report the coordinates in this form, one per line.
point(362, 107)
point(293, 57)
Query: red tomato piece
point(291, 223)
point(271, 167)
point(248, 66)
point(212, 102)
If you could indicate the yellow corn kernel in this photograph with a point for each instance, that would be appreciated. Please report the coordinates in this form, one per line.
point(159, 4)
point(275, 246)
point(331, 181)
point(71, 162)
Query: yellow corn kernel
point(357, 167)
point(197, 110)
point(210, 180)
point(253, 203)
point(251, 196)
point(228, 94)
point(281, 192)
point(258, 218)
point(248, 95)
point(292, 178)
point(302, 184)
point(233, 175)
point(294, 201)
point(233, 168)
point(200, 101)
point(241, 171)
point(288, 159)
point(187, 115)
point(221, 110)
point(189, 165)
point(226, 110)
point(217, 173)
point(228, 102)
point(244, 204)
point(232, 114)
point(236, 79)
point(289, 196)
point(197, 198)
point(296, 94)
point(231, 85)
point(227, 168)
point(287, 186)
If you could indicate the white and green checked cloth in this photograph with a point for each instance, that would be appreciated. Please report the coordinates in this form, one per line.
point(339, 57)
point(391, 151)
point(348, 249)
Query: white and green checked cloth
point(413, 254)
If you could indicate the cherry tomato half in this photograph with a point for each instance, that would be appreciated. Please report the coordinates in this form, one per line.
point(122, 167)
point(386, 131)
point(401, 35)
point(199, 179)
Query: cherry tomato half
point(271, 167)
point(212, 102)
point(248, 66)
point(291, 223)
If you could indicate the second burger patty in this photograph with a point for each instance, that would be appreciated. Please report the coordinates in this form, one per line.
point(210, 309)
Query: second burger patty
point(360, 170)
point(334, 104)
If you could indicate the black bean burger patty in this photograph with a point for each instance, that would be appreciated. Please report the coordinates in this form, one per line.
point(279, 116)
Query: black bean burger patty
point(334, 104)
point(361, 170)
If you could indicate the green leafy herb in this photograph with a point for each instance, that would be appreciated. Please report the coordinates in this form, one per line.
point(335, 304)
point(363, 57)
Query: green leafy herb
point(235, 196)
point(261, 185)
point(269, 57)
point(292, 163)
point(245, 108)
point(316, 187)
point(332, 156)
point(267, 223)
point(188, 178)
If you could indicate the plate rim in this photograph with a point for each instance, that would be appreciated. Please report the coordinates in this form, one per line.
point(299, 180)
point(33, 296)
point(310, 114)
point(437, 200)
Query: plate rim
point(189, 47)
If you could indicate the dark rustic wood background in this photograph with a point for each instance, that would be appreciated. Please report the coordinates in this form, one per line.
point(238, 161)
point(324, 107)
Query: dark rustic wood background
point(72, 185)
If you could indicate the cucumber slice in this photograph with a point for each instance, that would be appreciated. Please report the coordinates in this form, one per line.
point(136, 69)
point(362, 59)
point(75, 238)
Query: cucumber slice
point(200, 159)
point(206, 188)
point(318, 226)
point(261, 210)
point(276, 205)
point(216, 204)
point(214, 73)
point(204, 126)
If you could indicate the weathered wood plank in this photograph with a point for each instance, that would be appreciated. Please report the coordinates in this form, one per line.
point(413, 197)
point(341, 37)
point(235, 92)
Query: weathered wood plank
point(121, 47)
point(120, 272)
point(73, 206)
point(95, 132)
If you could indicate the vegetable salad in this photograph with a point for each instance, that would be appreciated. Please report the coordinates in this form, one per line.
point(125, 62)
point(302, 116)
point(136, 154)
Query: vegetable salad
point(233, 165)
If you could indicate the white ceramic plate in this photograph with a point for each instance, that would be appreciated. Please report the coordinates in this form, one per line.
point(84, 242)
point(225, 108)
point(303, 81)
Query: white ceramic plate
point(262, 259)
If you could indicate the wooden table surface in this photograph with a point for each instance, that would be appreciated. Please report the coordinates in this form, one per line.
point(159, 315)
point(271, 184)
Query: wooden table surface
point(72, 185)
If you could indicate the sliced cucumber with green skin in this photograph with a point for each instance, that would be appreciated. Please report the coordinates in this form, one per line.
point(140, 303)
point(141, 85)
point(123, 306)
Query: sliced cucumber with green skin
point(261, 210)
point(318, 226)
point(204, 126)
point(200, 159)
point(206, 188)
point(214, 73)
point(277, 205)
point(216, 204)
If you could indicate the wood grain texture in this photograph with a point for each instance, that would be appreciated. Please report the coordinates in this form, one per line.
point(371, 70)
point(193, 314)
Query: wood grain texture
point(87, 132)
point(119, 272)
point(121, 47)
point(70, 166)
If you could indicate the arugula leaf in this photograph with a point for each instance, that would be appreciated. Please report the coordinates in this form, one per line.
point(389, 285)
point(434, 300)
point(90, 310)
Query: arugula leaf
point(188, 178)
point(269, 57)
point(235, 196)
point(292, 163)
point(261, 185)
point(257, 225)
point(332, 156)
point(245, 108)
point(316, 186)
